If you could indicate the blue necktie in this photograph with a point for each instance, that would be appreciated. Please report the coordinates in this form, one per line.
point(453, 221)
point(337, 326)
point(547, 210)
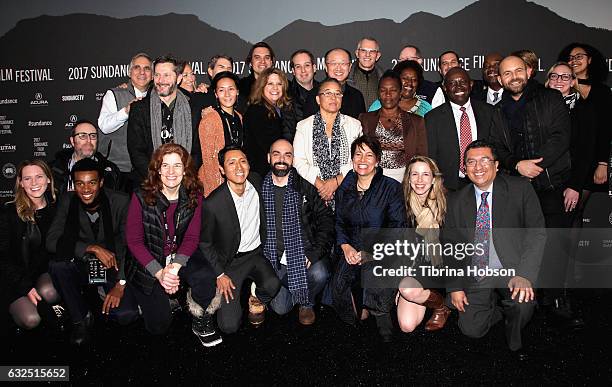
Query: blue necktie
point(482, 233)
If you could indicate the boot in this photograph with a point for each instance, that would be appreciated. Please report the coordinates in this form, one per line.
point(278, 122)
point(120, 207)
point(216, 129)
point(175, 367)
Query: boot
point(204, 329)
point(80, 331)
point(440, 314)
point(385, 326)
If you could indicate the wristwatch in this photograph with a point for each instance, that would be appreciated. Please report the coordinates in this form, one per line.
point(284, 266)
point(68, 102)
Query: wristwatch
point(122, 282)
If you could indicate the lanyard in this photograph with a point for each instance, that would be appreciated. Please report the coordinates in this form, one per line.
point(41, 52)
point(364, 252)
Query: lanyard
point(172, 242)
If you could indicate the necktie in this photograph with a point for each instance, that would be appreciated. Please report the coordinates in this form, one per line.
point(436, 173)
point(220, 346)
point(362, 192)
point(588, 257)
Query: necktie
point(495, 96)
point(482, 233)
point(465, 135)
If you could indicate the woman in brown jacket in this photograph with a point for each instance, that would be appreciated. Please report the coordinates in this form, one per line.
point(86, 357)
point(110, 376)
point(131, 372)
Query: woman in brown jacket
point(220, 126)
point(401, 134)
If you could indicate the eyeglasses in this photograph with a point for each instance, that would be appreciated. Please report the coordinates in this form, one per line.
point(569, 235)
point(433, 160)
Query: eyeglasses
point(329, 94)
point(485, 162)
point(564, 77)
point(367, 51)
point(577, 57)
point(188, 74)
point(337, 64)
point(84, 136)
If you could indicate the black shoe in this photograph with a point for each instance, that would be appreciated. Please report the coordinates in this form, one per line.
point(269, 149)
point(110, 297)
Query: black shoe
point(385, 327)
point(60, 316)
point(80, 331)
point(204, 329)
point(561, 311)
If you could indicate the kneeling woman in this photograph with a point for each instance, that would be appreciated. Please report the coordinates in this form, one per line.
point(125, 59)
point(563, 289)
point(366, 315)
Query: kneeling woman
point(425, 207)
point(163, 231)
point(24, 261)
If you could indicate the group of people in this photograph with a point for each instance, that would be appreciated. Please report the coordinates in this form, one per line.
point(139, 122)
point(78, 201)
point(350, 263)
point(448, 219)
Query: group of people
point(265, 186)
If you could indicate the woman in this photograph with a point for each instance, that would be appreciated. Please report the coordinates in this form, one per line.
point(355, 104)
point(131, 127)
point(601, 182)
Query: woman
point(322, 142)
point(425, 208)
point(591, 72)
point(188, 82)
point(411, 74)
point(163, 231)
point(402, 135)
point(23, 258)
point(220, 126)
point(269, 103)
point(366, 199)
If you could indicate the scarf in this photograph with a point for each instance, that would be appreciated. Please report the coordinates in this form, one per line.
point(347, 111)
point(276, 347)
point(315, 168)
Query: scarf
point(181, 120)
point(571, 99)
point(329, 160)
point(292, 237)
point(426, 224)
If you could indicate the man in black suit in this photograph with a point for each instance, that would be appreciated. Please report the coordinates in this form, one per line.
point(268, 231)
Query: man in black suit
point(454, 125)
point(233, 229)
point(502, 215)
point(489, 89)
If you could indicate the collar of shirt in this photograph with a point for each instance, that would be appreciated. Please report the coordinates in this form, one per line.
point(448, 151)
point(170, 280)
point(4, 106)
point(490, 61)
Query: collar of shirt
point(247, 191)
point(478, 193)
point(490, 94)
point(140, 94)
point(467, 106)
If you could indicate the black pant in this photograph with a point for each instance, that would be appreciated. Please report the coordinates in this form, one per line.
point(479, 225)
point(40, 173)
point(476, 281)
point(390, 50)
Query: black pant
point(251, 265)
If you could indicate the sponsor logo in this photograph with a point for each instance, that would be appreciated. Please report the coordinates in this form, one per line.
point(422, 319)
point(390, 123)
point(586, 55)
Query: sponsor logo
point(75, 97)
point(39, 100)
point(9, 170)
point(8, 148)
point(5, 125)
point(99, 96)
point(40, 147)
point(6, 193)
point(8, 101)
point(40, 123)
point(610, 218)
point(72, 119)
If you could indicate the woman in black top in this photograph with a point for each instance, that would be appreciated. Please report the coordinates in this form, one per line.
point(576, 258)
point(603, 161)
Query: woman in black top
point(23, 258)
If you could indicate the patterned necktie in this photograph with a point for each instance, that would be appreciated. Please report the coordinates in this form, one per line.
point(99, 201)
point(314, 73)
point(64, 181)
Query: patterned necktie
point(495, 96)
point(482, 233)
point(465, 135)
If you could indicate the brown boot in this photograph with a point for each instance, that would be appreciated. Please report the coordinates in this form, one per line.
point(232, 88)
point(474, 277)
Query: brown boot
point(257, 311)
point(306, 315)
point(440, 311)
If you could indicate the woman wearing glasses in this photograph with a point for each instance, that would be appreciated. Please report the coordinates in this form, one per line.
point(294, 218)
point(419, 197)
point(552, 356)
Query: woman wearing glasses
point(401, 134)
point(322, 142)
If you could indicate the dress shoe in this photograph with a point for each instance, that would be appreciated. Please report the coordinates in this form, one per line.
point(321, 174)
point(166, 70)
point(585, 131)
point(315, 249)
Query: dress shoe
point(440, 311)
point(385, 327)
point(257, 311)
point(306, 315)
point(561, 311)
point(80, 331)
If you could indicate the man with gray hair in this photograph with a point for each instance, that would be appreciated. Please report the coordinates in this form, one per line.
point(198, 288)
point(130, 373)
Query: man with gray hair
point(114, 114)
point(364, 77)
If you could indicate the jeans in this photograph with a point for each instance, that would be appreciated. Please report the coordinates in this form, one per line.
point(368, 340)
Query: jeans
point(316, 276)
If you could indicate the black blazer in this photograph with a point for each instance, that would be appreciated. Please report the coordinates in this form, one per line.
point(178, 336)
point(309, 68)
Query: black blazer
point(442, 139)
point(517, 215)
point(220, 232)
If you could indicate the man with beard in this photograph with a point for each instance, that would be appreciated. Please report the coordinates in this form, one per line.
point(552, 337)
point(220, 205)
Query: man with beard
point(161, 117)
point(338, 66)
point(300, 233)
point(84, 141)
point(90, 225)
point(534, 143)
point(489, 90)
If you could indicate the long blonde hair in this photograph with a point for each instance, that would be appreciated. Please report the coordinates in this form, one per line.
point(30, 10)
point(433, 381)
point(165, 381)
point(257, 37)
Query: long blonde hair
point(24, 205)
point(436, 197)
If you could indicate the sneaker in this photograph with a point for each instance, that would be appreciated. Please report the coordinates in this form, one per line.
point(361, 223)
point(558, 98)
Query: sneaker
point(60, 315)
point(257, 311)
point(204, 329)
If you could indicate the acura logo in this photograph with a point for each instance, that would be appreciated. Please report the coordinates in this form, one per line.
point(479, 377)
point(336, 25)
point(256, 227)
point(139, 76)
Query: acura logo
point(38, 96)
point(73, 118)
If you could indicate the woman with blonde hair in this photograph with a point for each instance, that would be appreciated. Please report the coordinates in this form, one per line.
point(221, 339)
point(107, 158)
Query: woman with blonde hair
point(24, 261)
point(425, 209)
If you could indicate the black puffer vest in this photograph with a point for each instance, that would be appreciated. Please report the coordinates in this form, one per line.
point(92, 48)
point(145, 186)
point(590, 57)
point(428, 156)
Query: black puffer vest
point(152, 220)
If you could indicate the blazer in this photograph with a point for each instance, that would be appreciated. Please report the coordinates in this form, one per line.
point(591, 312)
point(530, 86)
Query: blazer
point(220, 232)
point(516, 210)
point(443, 141)
point(415, 135)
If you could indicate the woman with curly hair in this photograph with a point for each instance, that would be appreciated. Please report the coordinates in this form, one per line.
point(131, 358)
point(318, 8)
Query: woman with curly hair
point(163, 232)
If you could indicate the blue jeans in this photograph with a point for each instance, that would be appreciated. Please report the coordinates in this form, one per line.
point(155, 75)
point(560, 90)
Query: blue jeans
point(316, 276)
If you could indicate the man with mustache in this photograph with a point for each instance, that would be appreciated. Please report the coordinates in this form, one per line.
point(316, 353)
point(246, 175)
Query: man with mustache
point(300, 233)
point(163, 116)
point(489, 89)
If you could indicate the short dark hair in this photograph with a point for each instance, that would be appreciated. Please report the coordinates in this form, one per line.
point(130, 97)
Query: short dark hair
point(390, 74)
point(409, 64)
point(222, 152)
point(341, 49)
point(302, 51)
point(447, 52)
point(416, 49)
point(213, 62)
point(597, 70)
point(372, 143)
point(168, 58)
point(87, 164)
point(479, 144)
point(82, 121)
point(257, 45)
point(530, 58)
point(328, 80)
point(222, 75)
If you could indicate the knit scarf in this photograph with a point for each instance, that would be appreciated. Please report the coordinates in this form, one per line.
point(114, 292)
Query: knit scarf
point(570, 100)
point(292, 237)
point(181, 120)
point(329, 160)
point(426, 224)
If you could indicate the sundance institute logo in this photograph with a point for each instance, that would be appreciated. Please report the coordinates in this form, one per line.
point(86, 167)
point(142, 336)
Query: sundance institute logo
point(9, 170)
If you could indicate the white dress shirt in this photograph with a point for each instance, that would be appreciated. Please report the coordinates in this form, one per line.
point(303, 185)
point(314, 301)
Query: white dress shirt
point(247, 207)
point(110, 118)
point(490, 93)
point(457, 114)
point(438, 99)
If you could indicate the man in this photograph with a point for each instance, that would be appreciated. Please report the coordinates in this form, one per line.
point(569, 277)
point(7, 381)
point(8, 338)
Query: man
point(426, 89)
point(300, 234)
point(338, 66)
point(364, 77)
point(534, 143)
point(233, 228)
point(303, 67)
point(446, 61)
point(531, 60)
point(489, 90)
point(84, 141)
point(163, 116)
point(452, 126)
point(260, 57)
point(90, 225)
point(114, 114)
point(501, 215)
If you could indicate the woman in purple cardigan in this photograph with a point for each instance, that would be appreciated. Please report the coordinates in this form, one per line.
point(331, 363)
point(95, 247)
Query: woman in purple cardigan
point(163, 231)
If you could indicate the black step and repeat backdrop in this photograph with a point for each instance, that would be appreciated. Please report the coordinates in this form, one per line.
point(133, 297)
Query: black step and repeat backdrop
point(55, 70)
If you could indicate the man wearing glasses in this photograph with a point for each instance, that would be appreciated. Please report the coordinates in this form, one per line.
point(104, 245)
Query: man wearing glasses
point(84, 142)
point(364, 77)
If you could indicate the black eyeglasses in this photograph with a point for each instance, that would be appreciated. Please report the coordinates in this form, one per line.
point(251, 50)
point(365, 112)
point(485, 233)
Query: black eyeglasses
point(83, 136)
point(577, 57)
point(564, 77)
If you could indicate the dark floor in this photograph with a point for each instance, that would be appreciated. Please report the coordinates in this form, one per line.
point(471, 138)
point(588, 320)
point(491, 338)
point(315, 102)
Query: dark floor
point(330, 353)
